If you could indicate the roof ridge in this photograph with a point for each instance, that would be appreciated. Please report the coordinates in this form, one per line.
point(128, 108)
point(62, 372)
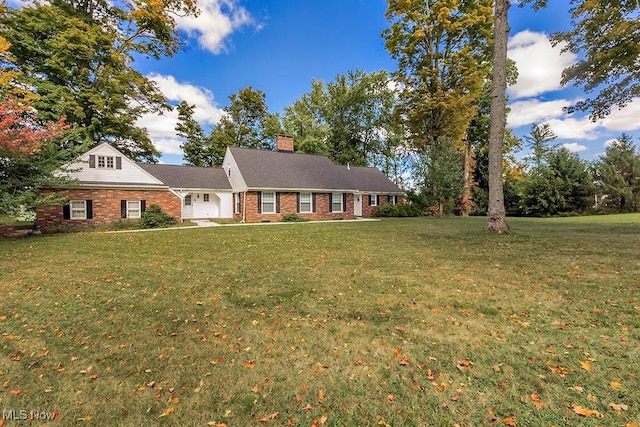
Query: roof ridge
point(298, 153)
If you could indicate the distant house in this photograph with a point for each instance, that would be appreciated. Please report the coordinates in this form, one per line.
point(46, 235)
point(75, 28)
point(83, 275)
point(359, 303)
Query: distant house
point(252, 186)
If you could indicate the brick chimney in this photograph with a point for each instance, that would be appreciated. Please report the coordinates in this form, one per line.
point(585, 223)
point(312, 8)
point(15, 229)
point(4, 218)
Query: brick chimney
point(284, 143)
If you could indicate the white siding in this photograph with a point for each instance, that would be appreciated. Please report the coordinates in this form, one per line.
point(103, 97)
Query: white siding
point(130, 173)
point(226, 205)
point(232, 170)
point(220, 205)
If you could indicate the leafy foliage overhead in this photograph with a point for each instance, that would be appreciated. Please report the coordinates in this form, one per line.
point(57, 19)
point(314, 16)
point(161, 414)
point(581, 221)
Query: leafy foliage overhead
point(442, 48)
point(78, 58)
point(607, 35)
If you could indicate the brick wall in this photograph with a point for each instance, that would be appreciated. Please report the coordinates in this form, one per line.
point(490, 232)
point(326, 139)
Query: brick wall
point(289, 204)
point(369, 211)
point(106, 206)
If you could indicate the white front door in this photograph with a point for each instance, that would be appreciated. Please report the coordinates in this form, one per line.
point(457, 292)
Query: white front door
point(187, 207)
point(357, 205)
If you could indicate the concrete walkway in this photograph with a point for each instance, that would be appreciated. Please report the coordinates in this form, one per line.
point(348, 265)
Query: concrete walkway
point(205, 223)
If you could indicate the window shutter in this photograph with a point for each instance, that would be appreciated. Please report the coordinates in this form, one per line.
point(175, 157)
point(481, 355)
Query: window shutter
point(378, 199)
point(66, 211)
point(89, 209)
point(259, 201)
point(330, 202)
point(313, 202)
point(277, 202)
point(344, 202)
point(118, 162)
point(298, 202)
point(123, 208)
point(143, 205)
point(92, 161)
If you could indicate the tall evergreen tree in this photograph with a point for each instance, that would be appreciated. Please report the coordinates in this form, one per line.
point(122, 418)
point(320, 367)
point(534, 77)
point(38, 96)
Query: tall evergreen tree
point(618, 176)
point(538, 141)
point(562, 184)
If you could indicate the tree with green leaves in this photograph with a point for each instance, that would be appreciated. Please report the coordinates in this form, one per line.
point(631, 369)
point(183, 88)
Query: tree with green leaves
point(441, 175)
point(28, 144)
point(304, 120)
point(198, 148)
point(349, 119)
point(606, 35)
point(538, 141)
point(247, 123)
point(563, 184)
point(618, 176)
point(77, 56)
point(442, 48)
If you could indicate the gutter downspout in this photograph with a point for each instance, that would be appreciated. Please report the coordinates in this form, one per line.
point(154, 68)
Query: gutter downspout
point(244, 208)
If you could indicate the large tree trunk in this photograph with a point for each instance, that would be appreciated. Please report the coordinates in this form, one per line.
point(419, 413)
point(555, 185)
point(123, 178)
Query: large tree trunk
point(496, 216)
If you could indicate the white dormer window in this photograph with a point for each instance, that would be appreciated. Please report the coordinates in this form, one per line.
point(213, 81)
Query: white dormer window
point(106, 162)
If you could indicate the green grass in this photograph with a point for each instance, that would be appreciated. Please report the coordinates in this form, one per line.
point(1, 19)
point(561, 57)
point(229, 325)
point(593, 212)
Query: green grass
point(15, 221)
point(423, 322)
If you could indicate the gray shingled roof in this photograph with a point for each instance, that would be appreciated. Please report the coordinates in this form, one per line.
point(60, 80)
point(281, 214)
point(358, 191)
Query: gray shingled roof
point(176, 176)
point(283, 170)
point(369, 180)
point(297, 171)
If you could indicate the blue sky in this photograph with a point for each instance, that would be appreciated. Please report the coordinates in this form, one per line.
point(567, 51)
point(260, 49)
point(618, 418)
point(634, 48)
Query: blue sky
point(279, 46)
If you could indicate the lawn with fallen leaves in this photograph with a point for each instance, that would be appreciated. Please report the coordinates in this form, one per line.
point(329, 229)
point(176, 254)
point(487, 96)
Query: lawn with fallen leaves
point(407, 322)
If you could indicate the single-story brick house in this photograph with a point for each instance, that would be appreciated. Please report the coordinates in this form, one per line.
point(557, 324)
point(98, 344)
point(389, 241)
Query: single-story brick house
point(252, 186)
point(269, 184)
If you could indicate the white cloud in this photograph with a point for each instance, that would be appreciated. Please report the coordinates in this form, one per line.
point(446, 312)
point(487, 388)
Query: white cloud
point(624, 120)
point(216, 21)
point(206, 112)
point(539, 64)
point(161, 128)
point(574, 147)
point(574, 128)
point(534, 111)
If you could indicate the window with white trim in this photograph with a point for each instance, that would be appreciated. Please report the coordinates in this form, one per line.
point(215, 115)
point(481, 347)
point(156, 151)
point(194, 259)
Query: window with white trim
point(205, 197)
point(306, 203)
point(336, 202)
point(238, 205)
point(106, 162)
point(78, 209)
point(373, 200)
point(268, 202)
point(393, 199)
point(133, 209)
point(187, 200)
